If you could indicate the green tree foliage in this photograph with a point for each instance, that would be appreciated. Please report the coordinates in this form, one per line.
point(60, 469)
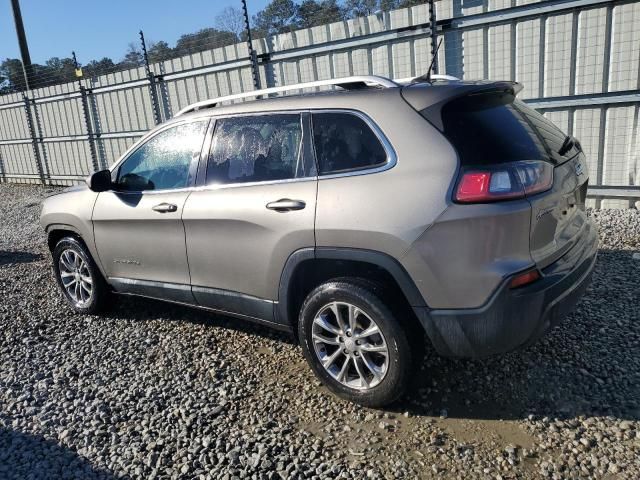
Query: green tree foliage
point(361, 8)
point(205, 39)
point(312, 13)
point(10, 74)
point(159, 51)
point(279, 16)
point(99, 67)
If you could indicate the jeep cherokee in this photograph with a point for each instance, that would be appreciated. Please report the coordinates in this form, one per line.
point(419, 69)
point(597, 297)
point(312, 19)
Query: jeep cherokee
point(367, 219)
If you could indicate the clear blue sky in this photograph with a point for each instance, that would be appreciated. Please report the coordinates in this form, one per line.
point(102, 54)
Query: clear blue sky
point(96, 29)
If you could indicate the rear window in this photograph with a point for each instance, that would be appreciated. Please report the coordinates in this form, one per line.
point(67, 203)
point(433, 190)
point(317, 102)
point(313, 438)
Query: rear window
point(495, 128)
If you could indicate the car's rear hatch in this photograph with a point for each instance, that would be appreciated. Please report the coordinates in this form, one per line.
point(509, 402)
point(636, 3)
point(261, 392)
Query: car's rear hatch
point(488, 126)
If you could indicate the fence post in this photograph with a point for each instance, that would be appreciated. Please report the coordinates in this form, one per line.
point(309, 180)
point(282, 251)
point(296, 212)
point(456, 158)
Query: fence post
point(37, 124)
point(161, 87)
point(87, 116)
point(3, 178)
point(152, 82)
point(34, 138)
point(252, 53)
point(84, 93)
point(434, 35)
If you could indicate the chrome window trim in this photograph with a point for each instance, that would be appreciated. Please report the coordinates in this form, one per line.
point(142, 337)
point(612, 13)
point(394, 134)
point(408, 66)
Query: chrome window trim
point(392, 158)
point(253, 184)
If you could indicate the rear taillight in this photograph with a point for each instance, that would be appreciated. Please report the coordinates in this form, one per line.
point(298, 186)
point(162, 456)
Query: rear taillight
point(503, 182)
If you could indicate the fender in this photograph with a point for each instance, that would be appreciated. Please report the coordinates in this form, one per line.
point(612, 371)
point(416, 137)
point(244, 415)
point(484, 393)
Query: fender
point(89, 243)
point(379, 259)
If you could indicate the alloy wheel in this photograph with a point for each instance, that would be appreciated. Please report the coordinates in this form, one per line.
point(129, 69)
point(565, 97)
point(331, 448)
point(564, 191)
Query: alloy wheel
point(76, 277)
point(350, 345)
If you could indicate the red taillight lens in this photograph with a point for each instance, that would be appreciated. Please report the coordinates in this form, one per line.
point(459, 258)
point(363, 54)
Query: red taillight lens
point(507, 181)
point(524, 278)
point(473, 185)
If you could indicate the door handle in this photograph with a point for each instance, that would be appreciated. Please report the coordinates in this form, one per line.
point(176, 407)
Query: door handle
point(165, 207)
point(286, 205)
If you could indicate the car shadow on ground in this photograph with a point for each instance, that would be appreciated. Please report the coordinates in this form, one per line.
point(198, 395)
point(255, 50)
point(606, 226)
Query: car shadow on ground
point(8, 257)
point(24, 455)
point(143, 309)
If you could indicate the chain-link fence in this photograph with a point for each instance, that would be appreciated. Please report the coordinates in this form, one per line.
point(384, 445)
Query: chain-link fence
point(579, 61)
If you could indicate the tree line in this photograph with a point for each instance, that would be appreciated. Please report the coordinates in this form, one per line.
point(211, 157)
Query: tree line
point(279, 16)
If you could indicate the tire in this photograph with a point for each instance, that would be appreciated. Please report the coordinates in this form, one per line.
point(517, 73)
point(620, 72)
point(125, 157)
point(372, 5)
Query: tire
point(70, 255)
point(348, 375)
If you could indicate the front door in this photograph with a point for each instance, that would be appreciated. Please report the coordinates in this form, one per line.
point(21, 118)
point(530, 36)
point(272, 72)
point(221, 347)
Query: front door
point(255, 207)
point(138, 228)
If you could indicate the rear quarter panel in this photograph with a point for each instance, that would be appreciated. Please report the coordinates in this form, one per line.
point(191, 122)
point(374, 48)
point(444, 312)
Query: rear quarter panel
point(469, 251)
point(387, 211)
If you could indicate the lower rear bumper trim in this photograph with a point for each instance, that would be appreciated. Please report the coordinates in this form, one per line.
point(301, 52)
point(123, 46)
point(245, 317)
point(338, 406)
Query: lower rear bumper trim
point(513, 318)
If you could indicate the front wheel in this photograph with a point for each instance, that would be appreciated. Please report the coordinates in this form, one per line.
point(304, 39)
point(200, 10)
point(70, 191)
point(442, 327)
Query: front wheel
point(78, 277)
point(354, 344)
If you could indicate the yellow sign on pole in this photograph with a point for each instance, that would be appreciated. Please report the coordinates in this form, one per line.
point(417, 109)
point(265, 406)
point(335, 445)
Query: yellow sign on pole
point(78, 72)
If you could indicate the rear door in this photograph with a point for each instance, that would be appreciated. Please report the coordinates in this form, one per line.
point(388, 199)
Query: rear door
point(255, 207)
point(137, 226)
point(558, 217)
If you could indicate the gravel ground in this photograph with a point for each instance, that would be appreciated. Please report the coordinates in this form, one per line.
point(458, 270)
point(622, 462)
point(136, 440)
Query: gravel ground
point(157, 391)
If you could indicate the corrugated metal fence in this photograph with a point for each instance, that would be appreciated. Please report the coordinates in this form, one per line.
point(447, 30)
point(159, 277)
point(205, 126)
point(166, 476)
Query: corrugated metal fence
point(579, 61)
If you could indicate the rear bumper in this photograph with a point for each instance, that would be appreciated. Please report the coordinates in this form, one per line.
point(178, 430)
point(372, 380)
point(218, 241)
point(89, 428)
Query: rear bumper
point(514, 318)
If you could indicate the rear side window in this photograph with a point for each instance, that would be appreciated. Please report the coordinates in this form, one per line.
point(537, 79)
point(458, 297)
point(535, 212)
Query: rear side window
point(256, 149)
point(495, 128)
point(344, 142)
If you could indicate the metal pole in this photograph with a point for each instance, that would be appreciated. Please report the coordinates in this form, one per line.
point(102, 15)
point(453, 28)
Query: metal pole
point(152, 81)
point(22, 42)
point(252, 52)
point(434, 35)
point(84, 92)
point(34, 138)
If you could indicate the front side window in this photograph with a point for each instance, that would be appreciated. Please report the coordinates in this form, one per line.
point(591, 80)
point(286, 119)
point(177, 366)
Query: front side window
point(344, 142)
point(164, 161)
point(257, 149)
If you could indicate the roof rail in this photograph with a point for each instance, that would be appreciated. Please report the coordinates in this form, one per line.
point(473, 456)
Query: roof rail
point(348, 83)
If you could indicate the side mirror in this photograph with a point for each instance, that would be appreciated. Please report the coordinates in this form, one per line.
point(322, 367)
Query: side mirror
point(100, 181)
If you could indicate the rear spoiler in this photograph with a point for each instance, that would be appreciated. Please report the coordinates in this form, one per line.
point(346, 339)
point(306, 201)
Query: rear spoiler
point(429, 99)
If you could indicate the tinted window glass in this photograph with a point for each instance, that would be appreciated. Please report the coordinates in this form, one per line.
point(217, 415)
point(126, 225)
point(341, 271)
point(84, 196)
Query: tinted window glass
point(163, 161)
point(345, 142)
point(495, 128)
point(256, 149)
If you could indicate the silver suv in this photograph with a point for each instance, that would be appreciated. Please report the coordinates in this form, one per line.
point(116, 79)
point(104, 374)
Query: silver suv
point(358, 218)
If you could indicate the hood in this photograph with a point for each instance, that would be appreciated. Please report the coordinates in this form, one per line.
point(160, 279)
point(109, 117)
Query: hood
point(73, 188)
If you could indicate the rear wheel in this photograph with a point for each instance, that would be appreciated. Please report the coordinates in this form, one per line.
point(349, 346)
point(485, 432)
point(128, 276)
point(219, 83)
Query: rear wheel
point(78, 277)
point(354, 344)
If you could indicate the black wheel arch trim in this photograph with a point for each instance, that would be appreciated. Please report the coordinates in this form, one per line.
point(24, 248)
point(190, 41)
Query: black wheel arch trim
point(379, 259)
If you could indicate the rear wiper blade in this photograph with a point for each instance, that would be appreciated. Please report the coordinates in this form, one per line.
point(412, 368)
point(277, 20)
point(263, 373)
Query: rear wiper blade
point(567, 145)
